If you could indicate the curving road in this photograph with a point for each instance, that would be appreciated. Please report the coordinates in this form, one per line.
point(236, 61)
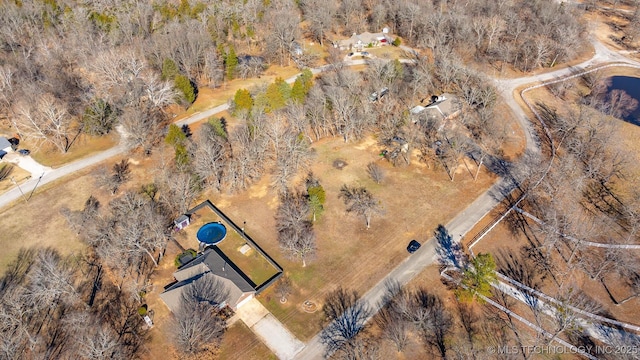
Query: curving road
point(426, 255)
point(466, 220)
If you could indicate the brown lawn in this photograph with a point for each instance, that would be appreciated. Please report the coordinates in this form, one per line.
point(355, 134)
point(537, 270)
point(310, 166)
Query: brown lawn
point(38, 222)
point(211, 97)
point(84, 145)
point(415, 199)
point(17, 174)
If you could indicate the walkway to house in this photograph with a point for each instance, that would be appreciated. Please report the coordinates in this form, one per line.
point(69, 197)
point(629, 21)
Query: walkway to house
point(269, 330)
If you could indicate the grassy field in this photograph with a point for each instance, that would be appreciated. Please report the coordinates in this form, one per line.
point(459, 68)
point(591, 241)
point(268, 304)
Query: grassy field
point(84, 146)
point(211, 97)
point(39, 222)
point(17, 174)
point(416, 199)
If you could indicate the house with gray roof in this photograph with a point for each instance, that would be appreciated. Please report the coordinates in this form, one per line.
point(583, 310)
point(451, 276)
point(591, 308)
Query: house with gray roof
point(442, 107)
point(213, 262)
point(5, 146)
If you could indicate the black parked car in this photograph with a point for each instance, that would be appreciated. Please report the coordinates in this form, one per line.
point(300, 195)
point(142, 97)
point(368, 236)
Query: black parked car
point(24, 152)
point(413, 246)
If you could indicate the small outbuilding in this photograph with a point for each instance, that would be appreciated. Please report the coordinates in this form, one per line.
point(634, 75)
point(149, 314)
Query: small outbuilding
point(182, 222)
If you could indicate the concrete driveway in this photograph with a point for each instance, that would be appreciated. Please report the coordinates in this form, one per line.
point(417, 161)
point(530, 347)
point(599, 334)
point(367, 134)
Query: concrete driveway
point(27, 163)
point(271, 331)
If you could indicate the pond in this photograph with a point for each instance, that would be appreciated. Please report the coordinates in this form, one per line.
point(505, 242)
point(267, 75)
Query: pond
point(630, 85)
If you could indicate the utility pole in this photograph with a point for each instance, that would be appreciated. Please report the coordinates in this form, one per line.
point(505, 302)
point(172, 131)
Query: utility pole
point(34, 188)
point(19, 188)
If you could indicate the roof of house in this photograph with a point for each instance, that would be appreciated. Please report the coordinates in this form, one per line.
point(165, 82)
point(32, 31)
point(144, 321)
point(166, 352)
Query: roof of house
point(364, 38)
point(181, 218)
point(446, 105)
point(212, 263)
point(4, 143)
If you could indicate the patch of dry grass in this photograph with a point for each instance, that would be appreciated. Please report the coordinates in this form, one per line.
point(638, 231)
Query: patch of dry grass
point(19, 176)
point(211, 97)
point(415, 199)
point(38, 223)
point(386, 52)
point(84, 146)
point(241, 343)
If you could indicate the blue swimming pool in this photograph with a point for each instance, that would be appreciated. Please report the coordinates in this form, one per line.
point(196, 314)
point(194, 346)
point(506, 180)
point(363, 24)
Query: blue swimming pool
point(211, 233)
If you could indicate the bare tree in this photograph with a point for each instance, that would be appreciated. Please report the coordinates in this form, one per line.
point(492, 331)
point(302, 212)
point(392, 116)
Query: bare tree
point(98, 342)
point(119, 175)
point(140, 126)
point(321, 17)
point(345, 315)
point(213, 153)
point(283, 33)
point(295, 229)
point(470, 321)
point(375, 172)
point(199, 323)
point(178, 189)
point(394, 327)
point(283, 288)
point(46, 120)
point(361, 202)
point(433, 320)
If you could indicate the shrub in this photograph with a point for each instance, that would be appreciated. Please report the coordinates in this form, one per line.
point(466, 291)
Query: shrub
point(191, 252)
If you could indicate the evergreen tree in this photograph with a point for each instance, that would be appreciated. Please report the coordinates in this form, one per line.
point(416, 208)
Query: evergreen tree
point(301, 86)
point(284, 88)
point(169, 69)
point(243, 101)
point(274, 98)
point(317, 197)
point(231, 62)
point(297, 91)
point(178, 139)
point(183, 84)
point(175, 136)
point(307, 77)
point(219, 126)
point(477, 278)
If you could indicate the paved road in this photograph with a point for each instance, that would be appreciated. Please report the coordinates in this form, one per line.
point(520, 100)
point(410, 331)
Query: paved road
point(415, 263)
point(54, 174)
point(465, 221)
